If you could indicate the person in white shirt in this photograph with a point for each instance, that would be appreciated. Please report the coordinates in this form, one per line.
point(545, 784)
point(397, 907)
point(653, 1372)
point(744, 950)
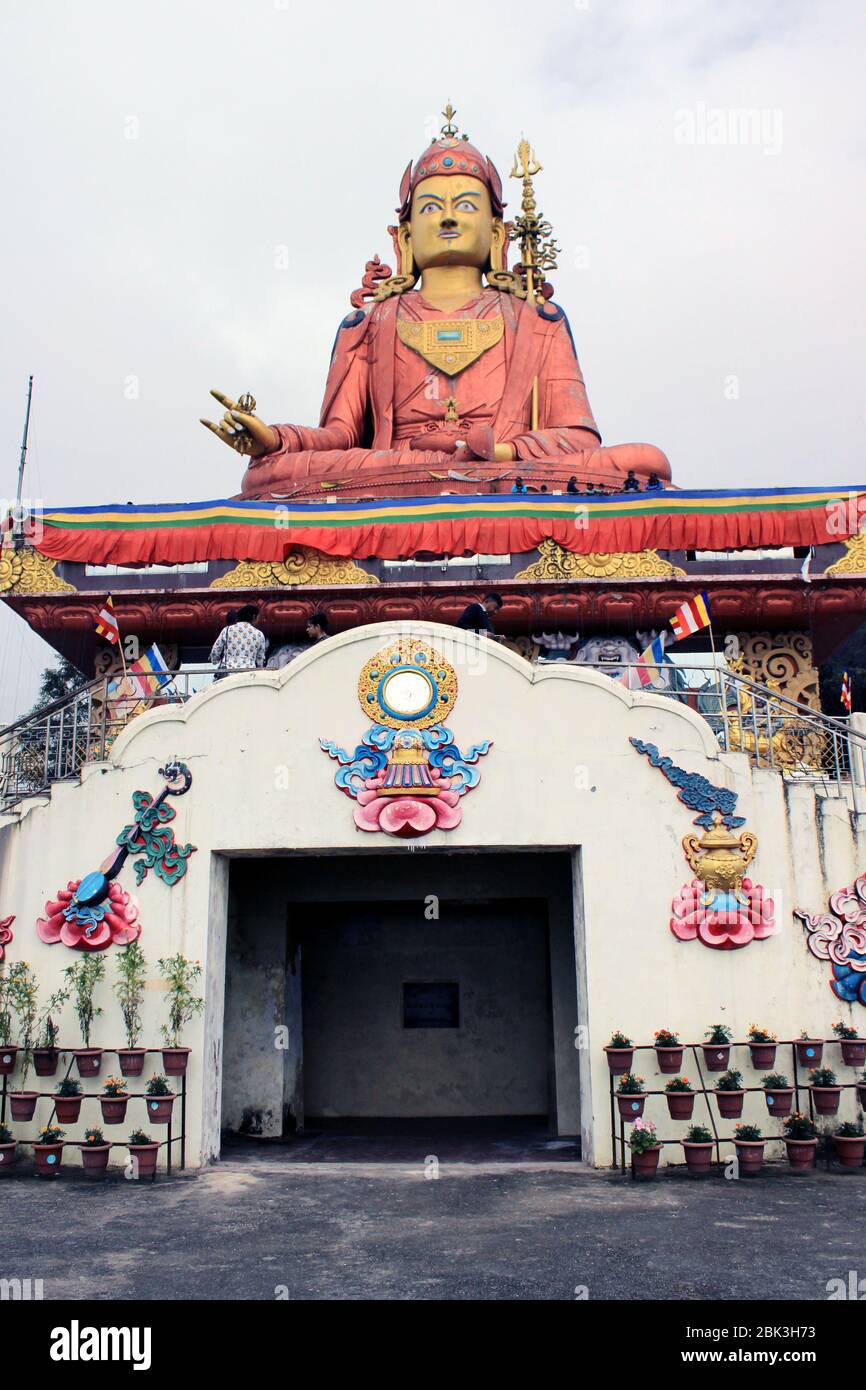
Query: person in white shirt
point(240, 646)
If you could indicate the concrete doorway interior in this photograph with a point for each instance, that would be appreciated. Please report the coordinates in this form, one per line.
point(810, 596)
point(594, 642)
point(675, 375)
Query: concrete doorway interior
point(376, 1002)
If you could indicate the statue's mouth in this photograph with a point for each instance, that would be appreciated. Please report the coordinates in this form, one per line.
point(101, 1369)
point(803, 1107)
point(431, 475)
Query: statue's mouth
point(449, 236)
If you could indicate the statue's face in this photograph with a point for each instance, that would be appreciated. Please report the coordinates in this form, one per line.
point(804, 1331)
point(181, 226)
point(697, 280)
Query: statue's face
point(451, 222)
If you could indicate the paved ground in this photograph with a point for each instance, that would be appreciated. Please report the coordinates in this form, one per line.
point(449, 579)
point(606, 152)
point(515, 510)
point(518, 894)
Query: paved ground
point(357, 1221)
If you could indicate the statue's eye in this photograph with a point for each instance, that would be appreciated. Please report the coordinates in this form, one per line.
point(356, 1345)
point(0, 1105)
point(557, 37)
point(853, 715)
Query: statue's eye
point(429, 207)
point(466, 206)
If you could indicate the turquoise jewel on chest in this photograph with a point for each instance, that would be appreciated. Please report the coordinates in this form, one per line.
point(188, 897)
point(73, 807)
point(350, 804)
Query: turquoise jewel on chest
point(448, 335)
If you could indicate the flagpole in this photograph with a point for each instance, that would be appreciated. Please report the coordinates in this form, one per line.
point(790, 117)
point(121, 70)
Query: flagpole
point(719, 684)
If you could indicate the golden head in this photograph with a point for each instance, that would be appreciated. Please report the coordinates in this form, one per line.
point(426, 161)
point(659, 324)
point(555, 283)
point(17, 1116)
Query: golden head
point(451, 223)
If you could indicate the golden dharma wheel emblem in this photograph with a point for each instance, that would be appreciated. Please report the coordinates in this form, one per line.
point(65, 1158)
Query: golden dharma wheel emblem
point(407, 683)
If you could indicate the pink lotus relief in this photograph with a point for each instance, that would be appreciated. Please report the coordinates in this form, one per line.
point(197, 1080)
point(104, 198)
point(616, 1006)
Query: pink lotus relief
point(5, 934)
point(722, 920)
point(407, 816)
point(115, 922)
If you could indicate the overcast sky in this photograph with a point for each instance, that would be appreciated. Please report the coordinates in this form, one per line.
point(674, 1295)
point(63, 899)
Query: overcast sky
point(192, 188)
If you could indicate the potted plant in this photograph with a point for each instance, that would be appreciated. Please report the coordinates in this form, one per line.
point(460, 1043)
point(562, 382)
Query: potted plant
point(825, 1090)
point(160, 1099)
point(143, 1151)
point(698, 1149)
point(778, 1094)
point(83, 977)
point(749, 1144)
point(67, 1100)
point(45, 1054)
point(129, 989)
point(23, 1000)
point(645, 1148)
point(850, 1142)
point(729, 1095)
point(48, 1151)
point(669, 1051)
point(762, 1046)
point(801, 1141)
point(8, 1147)
point(114, 1100)
point(629, 1097)
point(619, 1052)
point(717, 1048)
point(853, 1046)
point(8, 1050)
point(861, 1090)
point(94, 1154)
point(681, 1098)
point(183, 1004)
point(809, 1050)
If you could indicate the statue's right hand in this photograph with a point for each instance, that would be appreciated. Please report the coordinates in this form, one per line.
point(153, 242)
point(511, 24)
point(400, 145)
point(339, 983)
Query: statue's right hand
point(243, 431)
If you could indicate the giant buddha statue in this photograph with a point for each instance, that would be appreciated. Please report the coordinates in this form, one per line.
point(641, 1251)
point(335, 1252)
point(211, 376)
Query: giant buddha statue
point(456, 373)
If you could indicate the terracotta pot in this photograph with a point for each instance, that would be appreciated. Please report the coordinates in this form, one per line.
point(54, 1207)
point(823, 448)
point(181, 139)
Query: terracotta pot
point(779, 1102)
point(68, 1108)
point(144, 1158)
point(646, 1164)
point(114, 1109)
point(763, 1055)
point(670, 1060)
point(159, 1109)
point(88, 1060)
point(630, 1106)
point(48, 1159)
point(801, 1153)
point(750, 1155)
point(94, 1158)
point(7, 1060)
point(7, 1158)
point(680, 1104)
point(699, 1157)
point(131, 1061)
point(853, 1052)
point(23, 1104)
point(618, 1059)
point(861, 1094)
point(849, 1151)
point(809, 1052)
point(716, 1056)
point(730, 1103)
point(826, 1099)
point(174, 1060)
point(45, 1061)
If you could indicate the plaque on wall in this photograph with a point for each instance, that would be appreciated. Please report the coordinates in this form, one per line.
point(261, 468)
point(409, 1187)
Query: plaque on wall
point(431, 1005)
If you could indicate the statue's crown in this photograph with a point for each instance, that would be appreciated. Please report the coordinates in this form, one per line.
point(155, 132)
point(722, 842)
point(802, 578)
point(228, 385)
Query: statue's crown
point(451, 154)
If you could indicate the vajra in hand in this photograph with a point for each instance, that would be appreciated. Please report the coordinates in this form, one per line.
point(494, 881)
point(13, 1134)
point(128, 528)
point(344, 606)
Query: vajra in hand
point(241, 428)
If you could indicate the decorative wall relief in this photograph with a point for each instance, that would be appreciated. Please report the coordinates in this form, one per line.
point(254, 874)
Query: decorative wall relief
point(94, 912)
point(5, 934)
point(839, 936)
point(720, 907)
point(407, 776)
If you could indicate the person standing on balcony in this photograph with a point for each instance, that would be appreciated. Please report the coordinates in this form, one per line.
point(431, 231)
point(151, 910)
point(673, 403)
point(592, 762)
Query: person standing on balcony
point(241, 645)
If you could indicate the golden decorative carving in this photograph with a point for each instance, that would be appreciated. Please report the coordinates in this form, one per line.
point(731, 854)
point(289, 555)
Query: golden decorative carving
point(302, 565)
point(407, 683)
point(449, 345)
point(781, 660)
point(556, 563)
point(720, 859)
point(854, 559)
point(27, 572)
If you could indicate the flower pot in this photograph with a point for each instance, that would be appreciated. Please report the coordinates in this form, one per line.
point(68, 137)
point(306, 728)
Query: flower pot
point(23, 1104)
point(699, 1157)
point(94, 1159)
point(7, 1060)
point(680, 1104)
point(763, 1055)
point(750, 1155)
point(45, 1061)
point(131, 1061)
point(853, 1051)
point(645, 1164)
point(174, 1060)
point(144, 1158)
point(48, 1159)
point(861, 1094)
point(67, 1109)
point(88, 1060)
point(826, 1099)
point(779, 1102)
point(618, 1059)
point(730, 1103)
point(716, 1056)
point(801, 1153)
point(159, 1109)
point(849, 1151)
point(630, 1106)
point(7, 1158)
point(114, 1109)
point(670, 1060)
point(809, 1051)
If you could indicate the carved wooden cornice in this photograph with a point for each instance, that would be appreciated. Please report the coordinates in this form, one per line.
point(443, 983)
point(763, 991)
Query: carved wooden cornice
point(556, 563)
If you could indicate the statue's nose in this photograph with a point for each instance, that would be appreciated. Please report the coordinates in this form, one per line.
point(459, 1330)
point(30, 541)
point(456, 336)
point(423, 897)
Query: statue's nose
point(449, 220)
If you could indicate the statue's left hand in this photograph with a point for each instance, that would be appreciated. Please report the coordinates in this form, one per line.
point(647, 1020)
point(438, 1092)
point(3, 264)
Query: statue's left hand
point(480, 444)
point(243, 431)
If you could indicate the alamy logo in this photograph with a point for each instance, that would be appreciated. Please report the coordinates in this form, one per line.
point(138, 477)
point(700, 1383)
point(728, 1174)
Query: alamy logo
point(853, 1287)
point(76, 1343)
point(22, 1289)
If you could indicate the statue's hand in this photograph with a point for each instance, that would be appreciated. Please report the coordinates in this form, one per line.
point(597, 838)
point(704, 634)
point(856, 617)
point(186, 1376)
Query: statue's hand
point(242, 430)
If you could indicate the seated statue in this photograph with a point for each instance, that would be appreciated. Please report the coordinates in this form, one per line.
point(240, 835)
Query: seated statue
point(458, 384)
